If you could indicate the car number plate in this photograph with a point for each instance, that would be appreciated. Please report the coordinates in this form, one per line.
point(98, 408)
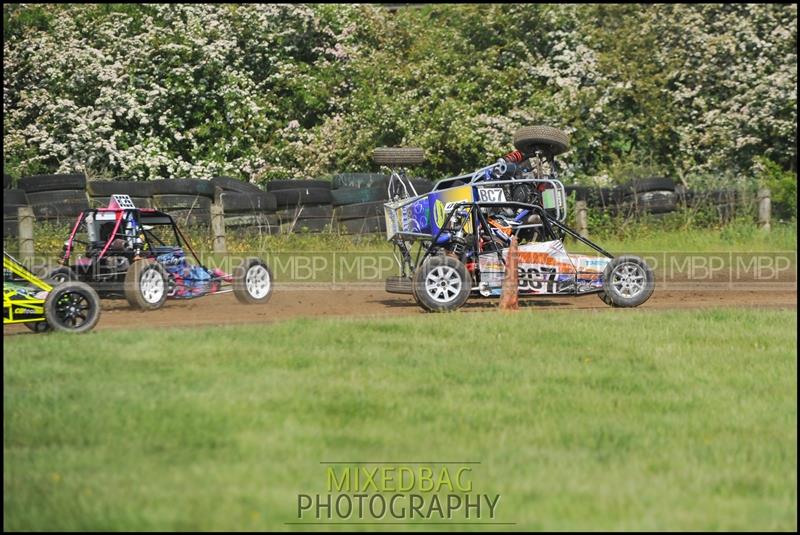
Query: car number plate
point(491, 195)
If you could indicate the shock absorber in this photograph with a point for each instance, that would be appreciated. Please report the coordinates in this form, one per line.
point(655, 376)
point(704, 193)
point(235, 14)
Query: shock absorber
point(507, 165)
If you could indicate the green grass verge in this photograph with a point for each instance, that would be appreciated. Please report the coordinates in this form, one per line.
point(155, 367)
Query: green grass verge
point(581, 420)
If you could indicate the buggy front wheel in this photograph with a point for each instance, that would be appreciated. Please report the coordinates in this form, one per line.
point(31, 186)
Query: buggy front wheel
point(72, 307)
point(146, 285)
point(252, 282)
point(441, 284)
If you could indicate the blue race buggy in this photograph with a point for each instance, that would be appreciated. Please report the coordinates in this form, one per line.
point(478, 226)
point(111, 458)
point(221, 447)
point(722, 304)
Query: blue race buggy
point(464, 227)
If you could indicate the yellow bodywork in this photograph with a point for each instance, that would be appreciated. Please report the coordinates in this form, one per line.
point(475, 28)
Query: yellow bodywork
point(18, 307)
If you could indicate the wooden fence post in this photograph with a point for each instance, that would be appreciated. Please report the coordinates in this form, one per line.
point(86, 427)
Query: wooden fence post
point(25, 221)
point(218, 227)
point(764, 208)
point(581, 218)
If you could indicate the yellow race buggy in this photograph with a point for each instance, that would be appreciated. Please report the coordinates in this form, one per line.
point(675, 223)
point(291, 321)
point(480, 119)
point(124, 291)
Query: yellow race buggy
point(69, 307)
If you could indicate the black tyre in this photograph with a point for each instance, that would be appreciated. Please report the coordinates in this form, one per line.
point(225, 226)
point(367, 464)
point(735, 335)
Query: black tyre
point(146, 285)
point(138, 202)
point(36, 183)
point(235, 185)
point(278, 185)
point(56, 197)
point(398, 156)
point(260, 221)
point(604, 197)
point(72, 307)
point(627, 282)
point(294, 197)
point(656, 202)
point(248, 202)
point(360, 211)
point(191, 218)
point(346, 196)
point(62, 274)
point(643, 185)
point(547, 139)
point(106, 188)
point(359, 180)
point(183, 186)
point(170, 202)
point(252, 282)
point(441, 284)
point(399, 285)
point(306, 211)
point(14, 197)
point(58, 204)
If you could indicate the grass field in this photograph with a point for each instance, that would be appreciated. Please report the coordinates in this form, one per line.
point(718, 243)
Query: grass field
point(580, 420)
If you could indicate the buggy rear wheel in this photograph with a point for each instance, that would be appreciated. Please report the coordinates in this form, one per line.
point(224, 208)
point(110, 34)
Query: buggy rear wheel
point(627, 282)
point(72, 307)
point(441, 284)
point(146, 285)
point(62, 274)
point(252, 282)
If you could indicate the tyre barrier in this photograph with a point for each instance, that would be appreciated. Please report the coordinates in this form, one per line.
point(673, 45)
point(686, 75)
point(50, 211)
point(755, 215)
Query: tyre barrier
point(349, 203)
point(58, 204)
point(102, 201)
point(107, 188)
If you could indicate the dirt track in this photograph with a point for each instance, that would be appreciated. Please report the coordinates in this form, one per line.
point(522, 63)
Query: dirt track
point(293, 301)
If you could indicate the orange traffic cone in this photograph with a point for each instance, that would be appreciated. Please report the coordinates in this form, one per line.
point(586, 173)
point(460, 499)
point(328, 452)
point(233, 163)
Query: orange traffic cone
point(509, 300)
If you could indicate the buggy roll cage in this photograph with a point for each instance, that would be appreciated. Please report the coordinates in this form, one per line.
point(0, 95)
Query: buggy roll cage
point(142, 217)
point(14, 267)
point(480, 223)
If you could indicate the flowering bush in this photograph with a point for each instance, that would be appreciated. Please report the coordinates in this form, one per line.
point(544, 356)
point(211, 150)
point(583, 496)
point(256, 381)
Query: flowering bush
point(267, 91)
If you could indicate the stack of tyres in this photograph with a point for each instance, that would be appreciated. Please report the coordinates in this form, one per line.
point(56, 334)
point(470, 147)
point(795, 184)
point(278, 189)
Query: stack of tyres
point(187, 200)
point(653, 195)
point(100, 192)
point(56, 198)
point(304, 206)
point(246, 206)
point(358, 200)
point(12, 200)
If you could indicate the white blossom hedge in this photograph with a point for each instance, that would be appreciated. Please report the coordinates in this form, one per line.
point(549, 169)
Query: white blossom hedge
point(700, 92)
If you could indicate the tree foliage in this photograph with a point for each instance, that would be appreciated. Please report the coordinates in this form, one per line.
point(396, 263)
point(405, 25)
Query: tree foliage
point(265, 91)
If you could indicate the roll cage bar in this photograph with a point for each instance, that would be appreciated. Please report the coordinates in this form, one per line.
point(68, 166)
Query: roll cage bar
point(142, 218)
point(481, 224)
